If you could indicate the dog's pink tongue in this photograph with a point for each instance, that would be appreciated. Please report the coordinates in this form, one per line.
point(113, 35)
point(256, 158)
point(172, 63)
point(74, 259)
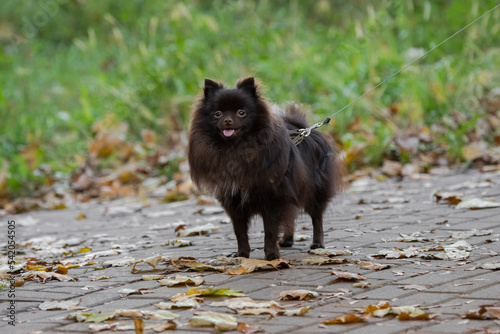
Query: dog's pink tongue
point(228, 132)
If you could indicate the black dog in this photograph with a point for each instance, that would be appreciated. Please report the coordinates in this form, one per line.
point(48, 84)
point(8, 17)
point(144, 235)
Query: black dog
point(240, 151)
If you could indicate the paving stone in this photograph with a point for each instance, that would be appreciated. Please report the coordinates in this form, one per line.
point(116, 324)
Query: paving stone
point(449, 289)
point(492, 293)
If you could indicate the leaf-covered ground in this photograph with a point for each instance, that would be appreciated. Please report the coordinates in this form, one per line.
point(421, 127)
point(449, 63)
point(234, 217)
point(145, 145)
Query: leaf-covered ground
point(399, 255)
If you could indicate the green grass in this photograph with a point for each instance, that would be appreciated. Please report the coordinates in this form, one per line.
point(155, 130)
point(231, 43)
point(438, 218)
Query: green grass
point(66, 64)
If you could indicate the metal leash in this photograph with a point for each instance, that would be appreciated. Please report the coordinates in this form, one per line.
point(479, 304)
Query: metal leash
point(298, 135)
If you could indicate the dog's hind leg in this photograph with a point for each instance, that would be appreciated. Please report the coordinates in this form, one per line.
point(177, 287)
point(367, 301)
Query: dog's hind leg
point(288, 227)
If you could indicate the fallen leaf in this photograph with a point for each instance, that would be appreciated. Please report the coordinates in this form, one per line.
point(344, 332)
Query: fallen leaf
point(152, 277)
point(348, 276)
point(198, 230)
point(250, 265)
point(60, 305)
point(182, 280)
point(328, 260)
point(409, 313)
point(248, 329)
point(403, 312)
point(296, 312)
point(413, 287)
point(372, 265)
point(211, 291)
point(163, 327)
point(378, 311)
point(329, 252)
point(362, 285)
point(245, 302)
point(61, 269)
point(91, 317)
point(490, 265)
point(477, 203)
point(298, 294)
point(179, 243)
point(47, 276)
point(139, 326)
point(210, 210)
point(103, 327)
point(397, 253)
point(185, 303)
point(99, 278)
point(452, 198)
point(471, 233)
point(493, 311)
point(344, 319)
point(81, 216)
point(220, 321)
point(142, 291)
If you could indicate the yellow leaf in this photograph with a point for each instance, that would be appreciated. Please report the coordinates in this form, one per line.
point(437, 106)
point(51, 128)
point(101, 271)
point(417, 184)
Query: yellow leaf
point(344, 319)
point(84, 250)
point(60, 269)
point(81, 215)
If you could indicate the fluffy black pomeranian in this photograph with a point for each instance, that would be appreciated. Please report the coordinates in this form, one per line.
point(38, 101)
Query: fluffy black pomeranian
point(240, 151)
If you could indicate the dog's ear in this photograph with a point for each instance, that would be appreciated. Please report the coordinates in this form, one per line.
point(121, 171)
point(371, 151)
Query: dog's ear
point(248, 84)
point(211, 87)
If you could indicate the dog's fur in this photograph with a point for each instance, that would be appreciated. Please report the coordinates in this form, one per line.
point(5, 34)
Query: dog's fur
point(240, 151)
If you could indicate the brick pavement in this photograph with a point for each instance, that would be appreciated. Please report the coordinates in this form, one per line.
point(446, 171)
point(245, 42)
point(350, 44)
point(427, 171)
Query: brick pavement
point(446, 288)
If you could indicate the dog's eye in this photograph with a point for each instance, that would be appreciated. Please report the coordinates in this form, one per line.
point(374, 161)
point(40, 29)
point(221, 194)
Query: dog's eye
point(242, 113)
point(217, 114)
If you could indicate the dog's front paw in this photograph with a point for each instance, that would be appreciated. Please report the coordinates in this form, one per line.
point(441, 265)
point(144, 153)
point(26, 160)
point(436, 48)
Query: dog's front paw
point(243, 254)
point(315, 245)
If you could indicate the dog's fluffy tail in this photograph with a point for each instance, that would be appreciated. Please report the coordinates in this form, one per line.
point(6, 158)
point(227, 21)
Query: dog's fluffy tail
point(294, 115)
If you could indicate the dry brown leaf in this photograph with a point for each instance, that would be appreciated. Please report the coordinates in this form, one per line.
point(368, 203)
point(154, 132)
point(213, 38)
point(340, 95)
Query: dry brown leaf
point(403, 312)
point(250, 265)
point(47, 276)
point(182, 280)
point(343, 275)
point(163, 327)
point(373, 265)
point(452, 198)
point(493, 311)
point(248, 329)
point(221, 321)
point(296, 312)
point(344, 319)
point(298, 294)
point(329, 260)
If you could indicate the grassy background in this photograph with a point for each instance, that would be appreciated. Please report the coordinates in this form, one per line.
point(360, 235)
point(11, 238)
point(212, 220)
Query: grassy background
point(65, 64)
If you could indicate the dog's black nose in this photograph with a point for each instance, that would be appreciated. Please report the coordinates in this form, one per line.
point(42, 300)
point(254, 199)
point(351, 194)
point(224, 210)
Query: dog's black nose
point(228, 121)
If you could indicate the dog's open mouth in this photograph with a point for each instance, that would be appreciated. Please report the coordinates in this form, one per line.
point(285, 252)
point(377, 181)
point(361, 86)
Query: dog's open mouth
point(229, 132)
